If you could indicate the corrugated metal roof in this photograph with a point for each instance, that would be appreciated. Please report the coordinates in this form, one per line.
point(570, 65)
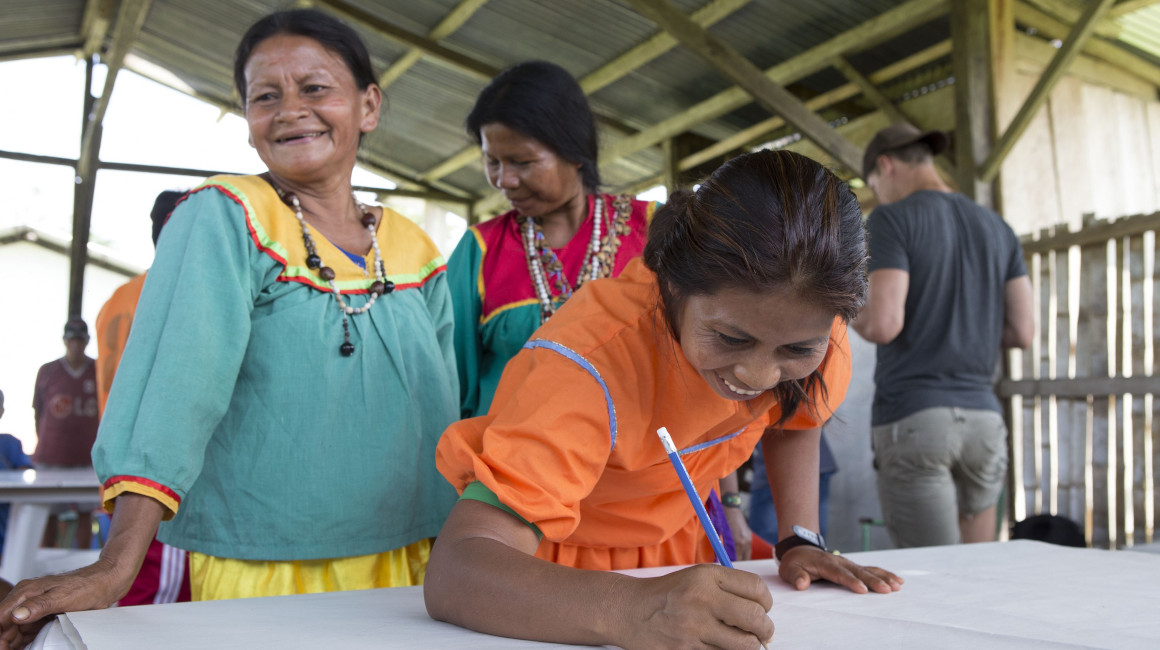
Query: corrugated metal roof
point(423, 124)
point(1141, 28)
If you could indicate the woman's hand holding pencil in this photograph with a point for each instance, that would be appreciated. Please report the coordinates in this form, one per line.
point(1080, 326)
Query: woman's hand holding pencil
point(735, 616)
point(703, 606)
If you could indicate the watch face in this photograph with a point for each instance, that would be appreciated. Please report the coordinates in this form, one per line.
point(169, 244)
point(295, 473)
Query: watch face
point(810, 536)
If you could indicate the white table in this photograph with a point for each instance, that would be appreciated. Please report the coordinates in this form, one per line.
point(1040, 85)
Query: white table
point(1002, 595)
point(31, 492)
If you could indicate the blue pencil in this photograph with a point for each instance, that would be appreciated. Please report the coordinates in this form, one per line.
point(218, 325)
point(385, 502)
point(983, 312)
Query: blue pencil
point(706, 523)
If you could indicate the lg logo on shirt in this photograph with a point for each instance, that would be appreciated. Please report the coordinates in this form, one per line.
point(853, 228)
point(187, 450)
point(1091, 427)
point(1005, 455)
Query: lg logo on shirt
point(62, 406)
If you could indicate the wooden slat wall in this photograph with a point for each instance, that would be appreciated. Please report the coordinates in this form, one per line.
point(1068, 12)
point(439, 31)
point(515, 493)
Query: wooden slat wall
point(1083, 434)
point(1093, 149)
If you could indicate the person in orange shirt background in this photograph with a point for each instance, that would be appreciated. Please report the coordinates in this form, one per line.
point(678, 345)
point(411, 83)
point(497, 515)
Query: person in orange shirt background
point(116, 314)
point(164, 574)
point(731, 329)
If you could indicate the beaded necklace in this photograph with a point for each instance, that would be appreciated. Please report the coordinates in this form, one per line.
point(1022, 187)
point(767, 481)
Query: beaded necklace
point(599, 259)
point(379, 287)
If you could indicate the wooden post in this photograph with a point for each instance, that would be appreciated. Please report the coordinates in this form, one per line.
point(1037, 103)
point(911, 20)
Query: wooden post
point(973, 95)
point(85, 179)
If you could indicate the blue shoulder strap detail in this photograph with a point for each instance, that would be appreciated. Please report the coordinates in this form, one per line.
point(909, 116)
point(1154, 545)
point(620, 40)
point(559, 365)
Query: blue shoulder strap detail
point(575, 357)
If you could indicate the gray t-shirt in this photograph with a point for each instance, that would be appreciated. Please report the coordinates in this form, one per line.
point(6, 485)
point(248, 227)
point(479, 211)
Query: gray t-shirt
point(959, 256)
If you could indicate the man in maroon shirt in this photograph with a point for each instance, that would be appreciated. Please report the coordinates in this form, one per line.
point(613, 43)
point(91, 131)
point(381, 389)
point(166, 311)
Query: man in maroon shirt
point(65, 405)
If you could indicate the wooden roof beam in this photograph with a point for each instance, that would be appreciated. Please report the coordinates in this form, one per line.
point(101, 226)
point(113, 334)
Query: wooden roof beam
point(451, 22)
point(38, 48)
point(95, 26)
point(768, 93)
point(1097, 47)
point(655, 46)
point(1078, 35)
point(130, 17)
point(884, 26)
point(608, 73)
point(1068, 13)
point(427, 46)
point(870, 91)
point(882, 102)
point(437, 52)
point(764, 130)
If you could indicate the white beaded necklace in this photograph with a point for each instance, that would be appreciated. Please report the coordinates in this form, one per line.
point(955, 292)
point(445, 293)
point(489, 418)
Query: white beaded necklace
point(379, 287)
point(599, 259)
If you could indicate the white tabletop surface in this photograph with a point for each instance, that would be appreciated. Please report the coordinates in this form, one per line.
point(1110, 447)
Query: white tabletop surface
point(49, 485)
point(1001, 595)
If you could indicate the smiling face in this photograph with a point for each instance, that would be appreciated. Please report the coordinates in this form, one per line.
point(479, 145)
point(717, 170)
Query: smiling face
point(745, 343)
point(533, 178)
point(305, 110)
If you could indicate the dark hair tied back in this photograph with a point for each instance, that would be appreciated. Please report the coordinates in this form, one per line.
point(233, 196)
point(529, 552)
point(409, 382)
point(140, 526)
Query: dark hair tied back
point(330, 32)
point(763, 221)
point(542, 101)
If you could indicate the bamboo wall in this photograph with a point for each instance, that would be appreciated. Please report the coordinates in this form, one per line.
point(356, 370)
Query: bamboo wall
point(1082, 398)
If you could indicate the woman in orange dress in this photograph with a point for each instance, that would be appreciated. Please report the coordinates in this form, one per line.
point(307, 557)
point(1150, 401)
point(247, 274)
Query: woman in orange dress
point(730, 330)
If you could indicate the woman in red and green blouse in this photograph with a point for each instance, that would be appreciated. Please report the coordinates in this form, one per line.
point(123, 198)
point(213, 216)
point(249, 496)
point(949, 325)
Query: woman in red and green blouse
point(510, 274)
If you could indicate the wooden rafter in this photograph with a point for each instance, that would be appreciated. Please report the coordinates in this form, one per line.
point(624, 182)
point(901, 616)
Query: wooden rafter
point(31, 48)
point(870, 91)
point(130, 17)
point(735, 67)
point(765, 129)
point(655, 46)
point(426, 45)
point(1107, 51)
point(1068, 13)
point(606, 74)
point(439, 53)
point(451, 22)
point(95, 25)
point(887, 25)
point(880, 101)
point(1071, 47)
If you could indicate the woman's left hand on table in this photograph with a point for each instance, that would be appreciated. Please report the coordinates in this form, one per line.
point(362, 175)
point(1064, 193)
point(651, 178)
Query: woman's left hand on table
point(802, 565)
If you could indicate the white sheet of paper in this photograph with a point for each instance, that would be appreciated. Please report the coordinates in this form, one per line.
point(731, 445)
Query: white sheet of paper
point(1001, 595)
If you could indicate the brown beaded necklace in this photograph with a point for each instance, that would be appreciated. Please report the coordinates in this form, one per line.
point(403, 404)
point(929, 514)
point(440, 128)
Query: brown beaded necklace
point(379, 287)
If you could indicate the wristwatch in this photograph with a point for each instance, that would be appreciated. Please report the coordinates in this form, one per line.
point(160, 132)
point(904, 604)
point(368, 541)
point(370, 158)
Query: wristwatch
point(801, 537)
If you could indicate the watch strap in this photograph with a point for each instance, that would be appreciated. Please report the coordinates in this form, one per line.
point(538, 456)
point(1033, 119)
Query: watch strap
point(793, 541)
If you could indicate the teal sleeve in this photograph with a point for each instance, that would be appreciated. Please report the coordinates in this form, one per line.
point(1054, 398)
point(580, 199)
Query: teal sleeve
point(463, 271)
point(187, 343)
point(477, 491)
point(438, 299)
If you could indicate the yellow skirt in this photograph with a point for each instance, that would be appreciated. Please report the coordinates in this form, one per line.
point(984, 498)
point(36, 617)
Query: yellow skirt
point(218, 578)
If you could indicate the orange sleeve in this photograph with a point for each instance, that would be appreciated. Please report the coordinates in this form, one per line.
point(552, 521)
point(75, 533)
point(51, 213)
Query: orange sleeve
point(836, 372)
point(544, 444)
point(112, 328)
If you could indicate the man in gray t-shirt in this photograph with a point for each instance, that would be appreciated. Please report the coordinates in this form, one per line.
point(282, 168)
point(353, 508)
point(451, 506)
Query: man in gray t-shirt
point(948, 290)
